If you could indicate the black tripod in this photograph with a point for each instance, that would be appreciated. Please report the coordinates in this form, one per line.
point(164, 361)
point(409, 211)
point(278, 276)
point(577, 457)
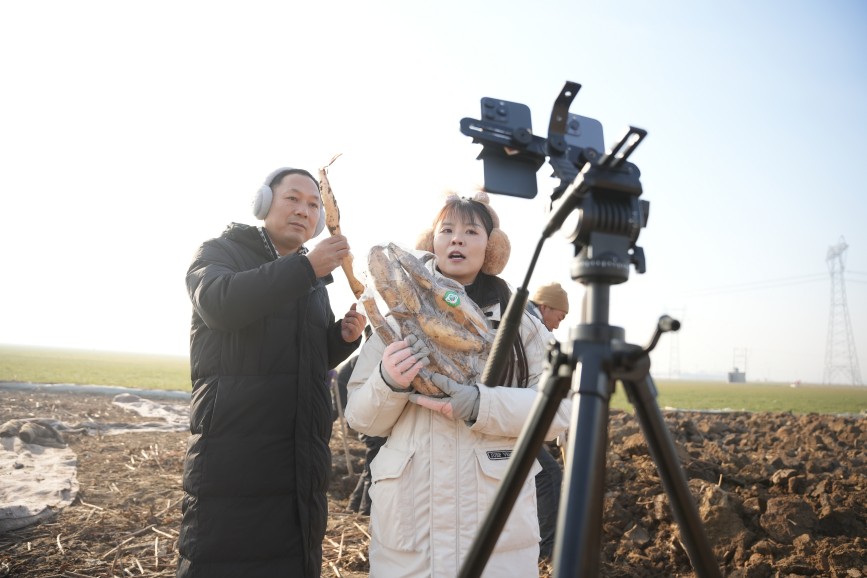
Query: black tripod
point(605, 194)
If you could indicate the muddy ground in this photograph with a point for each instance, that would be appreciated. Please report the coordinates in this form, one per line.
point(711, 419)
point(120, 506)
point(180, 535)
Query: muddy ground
point(780, 496)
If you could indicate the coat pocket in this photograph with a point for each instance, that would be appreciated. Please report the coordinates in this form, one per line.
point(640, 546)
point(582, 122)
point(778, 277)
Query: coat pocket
point(391, 499)
point(522, 527)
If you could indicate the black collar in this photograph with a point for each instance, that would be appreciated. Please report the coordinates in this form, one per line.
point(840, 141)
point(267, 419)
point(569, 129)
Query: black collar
point(270, 249)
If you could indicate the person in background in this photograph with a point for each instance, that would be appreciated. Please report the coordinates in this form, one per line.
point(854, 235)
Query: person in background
point(438, 472)
point(359, 500)
point(342, 373)
point(262, 339)
point(549, 304)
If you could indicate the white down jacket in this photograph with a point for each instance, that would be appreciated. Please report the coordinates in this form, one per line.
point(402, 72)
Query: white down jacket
point(435, 478)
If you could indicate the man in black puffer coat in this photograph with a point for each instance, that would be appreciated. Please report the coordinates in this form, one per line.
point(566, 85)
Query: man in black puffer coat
point(263, 337)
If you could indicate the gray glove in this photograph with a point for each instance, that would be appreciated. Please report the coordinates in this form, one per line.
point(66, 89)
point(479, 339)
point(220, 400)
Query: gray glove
point(462, 401)
point(402, 360)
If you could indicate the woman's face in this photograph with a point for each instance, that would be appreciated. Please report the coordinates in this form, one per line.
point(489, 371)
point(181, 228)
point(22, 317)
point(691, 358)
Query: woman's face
point(460, 248)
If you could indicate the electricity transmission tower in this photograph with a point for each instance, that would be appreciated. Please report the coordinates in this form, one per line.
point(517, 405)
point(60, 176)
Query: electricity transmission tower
point(841, 360)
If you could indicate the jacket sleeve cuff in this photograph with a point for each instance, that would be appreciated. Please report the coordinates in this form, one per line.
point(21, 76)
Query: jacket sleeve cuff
point(311, 274)
point(393, 386)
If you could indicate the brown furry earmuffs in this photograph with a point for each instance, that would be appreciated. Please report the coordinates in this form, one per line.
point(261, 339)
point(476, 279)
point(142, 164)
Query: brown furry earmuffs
point(498, 249)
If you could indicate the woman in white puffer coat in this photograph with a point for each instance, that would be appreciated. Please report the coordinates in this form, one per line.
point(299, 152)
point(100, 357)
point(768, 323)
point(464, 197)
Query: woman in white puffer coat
point(437, 474)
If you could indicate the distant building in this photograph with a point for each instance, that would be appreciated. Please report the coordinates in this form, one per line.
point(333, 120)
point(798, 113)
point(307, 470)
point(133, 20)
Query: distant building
point(739, 359)
point(737, 376)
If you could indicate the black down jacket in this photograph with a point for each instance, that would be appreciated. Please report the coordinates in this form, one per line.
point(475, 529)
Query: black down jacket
point(263, 337)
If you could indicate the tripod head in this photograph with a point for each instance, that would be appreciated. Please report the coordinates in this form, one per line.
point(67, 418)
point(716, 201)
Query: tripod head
point(602, 189)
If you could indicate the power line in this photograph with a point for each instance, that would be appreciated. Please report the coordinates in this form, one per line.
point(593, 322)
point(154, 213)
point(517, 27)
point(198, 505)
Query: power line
point(757, 285)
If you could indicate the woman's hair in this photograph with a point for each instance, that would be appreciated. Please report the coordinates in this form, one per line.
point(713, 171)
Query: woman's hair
point(488, 289)
point(468, 211)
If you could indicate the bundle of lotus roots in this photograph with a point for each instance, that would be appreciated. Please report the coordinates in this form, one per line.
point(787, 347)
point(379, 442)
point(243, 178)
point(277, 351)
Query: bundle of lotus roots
point(435, 309)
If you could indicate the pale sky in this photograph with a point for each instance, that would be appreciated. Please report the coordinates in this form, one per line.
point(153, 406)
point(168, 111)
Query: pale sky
point(131, 133)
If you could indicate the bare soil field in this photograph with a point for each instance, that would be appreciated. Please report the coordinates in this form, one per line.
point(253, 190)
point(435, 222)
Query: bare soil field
point(780, 496)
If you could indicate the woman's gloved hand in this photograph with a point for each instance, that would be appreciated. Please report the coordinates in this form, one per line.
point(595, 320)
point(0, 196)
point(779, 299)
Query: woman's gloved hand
point(402, 360)
point(462, 401)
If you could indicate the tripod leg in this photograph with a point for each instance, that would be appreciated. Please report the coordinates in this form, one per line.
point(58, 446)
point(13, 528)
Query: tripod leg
point(662, 450)
point(579, 523)
point(526, 449)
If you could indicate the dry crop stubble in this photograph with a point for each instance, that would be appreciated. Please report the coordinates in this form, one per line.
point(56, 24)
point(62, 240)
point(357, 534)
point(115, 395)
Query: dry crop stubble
point(780, 494)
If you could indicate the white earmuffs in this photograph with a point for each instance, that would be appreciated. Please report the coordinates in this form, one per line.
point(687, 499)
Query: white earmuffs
point(264, 196)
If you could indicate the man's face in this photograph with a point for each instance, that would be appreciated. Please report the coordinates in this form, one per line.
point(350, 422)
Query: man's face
point(551, 317)
point(294, 213)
